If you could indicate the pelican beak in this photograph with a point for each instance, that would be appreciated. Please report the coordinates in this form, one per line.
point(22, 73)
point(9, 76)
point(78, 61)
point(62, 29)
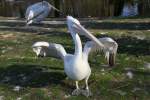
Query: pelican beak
point(81, 30)
point(55, 8)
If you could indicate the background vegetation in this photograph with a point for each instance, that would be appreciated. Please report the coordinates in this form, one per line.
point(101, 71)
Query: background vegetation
point(78, 8)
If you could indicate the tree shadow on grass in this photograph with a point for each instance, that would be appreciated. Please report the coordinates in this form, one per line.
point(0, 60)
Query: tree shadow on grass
point(53, 28)
point(95, 24)
point(31, 75)
point(116, 25)
point(133, 46)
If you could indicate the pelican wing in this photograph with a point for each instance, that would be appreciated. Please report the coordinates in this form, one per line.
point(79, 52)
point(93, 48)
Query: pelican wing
point(32, 16)
point(110, 49)
point(49, 49)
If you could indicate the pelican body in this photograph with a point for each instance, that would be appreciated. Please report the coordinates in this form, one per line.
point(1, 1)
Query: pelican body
point(38, 12)
point(76, 65)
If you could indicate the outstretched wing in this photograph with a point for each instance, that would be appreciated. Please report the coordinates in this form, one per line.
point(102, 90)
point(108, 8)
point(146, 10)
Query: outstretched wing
point(46, 49)
point(110, 49)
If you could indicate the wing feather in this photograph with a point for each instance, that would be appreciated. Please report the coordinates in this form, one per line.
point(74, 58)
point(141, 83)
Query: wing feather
point(49, 50)
point(110, 49)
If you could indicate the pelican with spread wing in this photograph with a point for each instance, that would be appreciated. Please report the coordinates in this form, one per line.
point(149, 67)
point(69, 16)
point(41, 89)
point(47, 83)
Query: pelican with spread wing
point(76, 65)
point(38, 12)
point(43, 49)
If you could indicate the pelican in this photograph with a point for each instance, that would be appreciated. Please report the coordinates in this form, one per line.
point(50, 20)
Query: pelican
point(76, 65)
point(38, 11)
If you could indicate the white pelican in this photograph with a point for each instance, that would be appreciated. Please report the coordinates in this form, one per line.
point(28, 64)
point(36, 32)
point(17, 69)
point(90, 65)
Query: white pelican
point(76, 65)
point(38, 12)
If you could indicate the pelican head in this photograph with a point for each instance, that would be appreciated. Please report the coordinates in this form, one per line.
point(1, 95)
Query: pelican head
point(45, 3)
point(75, 26)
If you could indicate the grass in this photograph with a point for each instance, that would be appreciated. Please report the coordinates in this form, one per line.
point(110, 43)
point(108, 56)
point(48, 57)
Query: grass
point(44, 78)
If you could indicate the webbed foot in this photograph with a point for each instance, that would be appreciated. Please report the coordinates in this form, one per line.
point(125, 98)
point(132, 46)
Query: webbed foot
point(86, 93)
point(76, 92)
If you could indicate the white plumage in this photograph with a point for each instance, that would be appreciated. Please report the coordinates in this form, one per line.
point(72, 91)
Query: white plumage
point(76, 65)
point(109, 51)
point(45, 49)
point(38, 12)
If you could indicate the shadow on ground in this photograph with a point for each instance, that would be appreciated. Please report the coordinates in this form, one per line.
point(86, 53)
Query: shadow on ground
point(133, 46)
point(31, 75)
point(93, 24)
point(120, 25)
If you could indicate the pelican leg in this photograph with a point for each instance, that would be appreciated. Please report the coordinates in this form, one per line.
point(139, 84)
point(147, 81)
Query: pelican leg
point(77, 91)
point(86, 92)
point(111, 61)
